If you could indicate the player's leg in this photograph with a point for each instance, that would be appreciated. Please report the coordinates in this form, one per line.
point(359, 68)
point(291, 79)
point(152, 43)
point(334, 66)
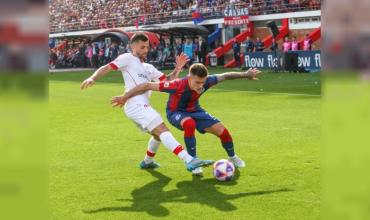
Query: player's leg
point(151, 121)
point(173, 145)
point(146, 118)
point(153, 146)
point(188, 125)
point(170, 142)
point(220, 131)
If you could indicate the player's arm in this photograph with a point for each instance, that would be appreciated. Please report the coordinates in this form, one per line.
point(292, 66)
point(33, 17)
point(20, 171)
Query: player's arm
point(103, 70)
point(122, 99)
point(181, 61)
point(251, 74)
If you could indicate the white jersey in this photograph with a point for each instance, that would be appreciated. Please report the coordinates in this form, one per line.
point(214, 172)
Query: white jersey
point(134, 73)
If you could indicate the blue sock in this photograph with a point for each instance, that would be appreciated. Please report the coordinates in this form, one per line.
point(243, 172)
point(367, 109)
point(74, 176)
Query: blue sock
point(190, 143)
point(229, 147)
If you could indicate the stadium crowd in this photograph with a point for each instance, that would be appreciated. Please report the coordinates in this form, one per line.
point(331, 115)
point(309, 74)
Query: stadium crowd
point(73, 15)
point(96, 54)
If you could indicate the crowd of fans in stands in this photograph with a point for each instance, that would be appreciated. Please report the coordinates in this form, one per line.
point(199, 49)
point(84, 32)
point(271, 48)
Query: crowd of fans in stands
point(85, 55)
point(96, 54)
point(72, 15)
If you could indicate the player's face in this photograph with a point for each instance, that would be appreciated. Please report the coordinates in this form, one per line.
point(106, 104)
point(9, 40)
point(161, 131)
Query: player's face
point(196, 83)
point(140, 49)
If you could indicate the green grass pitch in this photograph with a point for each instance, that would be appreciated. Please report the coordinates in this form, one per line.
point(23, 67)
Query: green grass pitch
point(95, 152)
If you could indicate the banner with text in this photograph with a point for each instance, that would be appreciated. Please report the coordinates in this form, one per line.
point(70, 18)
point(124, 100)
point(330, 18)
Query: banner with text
point(235, 16)
point(309, 60)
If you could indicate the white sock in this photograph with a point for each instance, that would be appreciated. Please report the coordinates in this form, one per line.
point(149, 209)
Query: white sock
point(170, 143)
point(153, 146)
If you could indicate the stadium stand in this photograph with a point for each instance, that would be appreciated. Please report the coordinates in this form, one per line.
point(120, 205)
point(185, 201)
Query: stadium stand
point(76, 15)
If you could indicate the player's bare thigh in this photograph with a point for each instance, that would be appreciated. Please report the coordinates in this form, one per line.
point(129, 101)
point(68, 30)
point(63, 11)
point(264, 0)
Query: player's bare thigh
point(216, 129)
point(156, 132)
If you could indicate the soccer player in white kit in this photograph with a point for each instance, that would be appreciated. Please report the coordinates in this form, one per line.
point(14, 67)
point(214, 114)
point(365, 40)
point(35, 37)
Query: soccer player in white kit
point(138, 108)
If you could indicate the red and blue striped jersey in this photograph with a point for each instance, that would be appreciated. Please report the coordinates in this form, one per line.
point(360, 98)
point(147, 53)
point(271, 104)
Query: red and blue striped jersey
point(182, 98)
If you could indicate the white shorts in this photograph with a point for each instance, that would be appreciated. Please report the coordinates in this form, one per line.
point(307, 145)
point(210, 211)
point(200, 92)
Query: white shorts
point(143, 115)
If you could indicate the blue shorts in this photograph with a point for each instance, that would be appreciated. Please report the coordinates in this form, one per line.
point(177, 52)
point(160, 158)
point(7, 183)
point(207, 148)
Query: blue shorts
point(202, 118)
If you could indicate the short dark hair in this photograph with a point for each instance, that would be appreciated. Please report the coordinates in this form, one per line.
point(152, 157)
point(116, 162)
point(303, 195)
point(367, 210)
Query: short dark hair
point(199, 70)
point(139, 37)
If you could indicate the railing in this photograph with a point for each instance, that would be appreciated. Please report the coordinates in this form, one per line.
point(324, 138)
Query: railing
point(258, 8)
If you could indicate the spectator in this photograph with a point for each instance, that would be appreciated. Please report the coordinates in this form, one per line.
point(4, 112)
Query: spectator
point(287, 46)
point(81, 53)
point(95, 57)
point(113, 52)
point(152, 54)
point(196, 49)
point(160, 53)
point(121, 49)
point(274, 45)
point(236, 49)
point(179, 47)
point(249, 45)
point(259, 45)
point(101, 57)
point(307, 43)
point(89, 55)
point(165, 55)
point(188, 50)
point(202, 51)
point(107, 54)
point(295, 44)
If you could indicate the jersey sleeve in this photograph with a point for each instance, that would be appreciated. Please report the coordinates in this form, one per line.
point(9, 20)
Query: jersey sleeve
point(169, 86)
point(211, 81)
point(120, 62)
point(155, 74)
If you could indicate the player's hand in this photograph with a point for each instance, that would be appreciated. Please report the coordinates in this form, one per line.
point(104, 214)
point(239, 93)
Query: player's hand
point(252, 73)
point(87, 83)
point(118, 101)
point(181, 61)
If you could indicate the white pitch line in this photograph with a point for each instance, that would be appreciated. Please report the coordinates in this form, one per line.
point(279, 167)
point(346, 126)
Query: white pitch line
point(272, 93)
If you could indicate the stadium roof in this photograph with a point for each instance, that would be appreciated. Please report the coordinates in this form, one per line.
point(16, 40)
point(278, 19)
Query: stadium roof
point(176, 29)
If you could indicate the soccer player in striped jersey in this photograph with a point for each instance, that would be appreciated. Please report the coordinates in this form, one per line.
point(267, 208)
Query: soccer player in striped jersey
point(183, 109)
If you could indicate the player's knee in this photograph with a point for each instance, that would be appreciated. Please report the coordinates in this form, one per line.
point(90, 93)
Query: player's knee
point(159, 130)
point(189, 127)
point(225, 136)
point(156, 137)
point(189, 124)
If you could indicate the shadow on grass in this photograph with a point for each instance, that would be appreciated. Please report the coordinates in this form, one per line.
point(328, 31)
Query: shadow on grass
point(150, 197)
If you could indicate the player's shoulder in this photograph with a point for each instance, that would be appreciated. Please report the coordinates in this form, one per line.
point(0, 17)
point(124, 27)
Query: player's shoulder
point(211, 76)
point(212, 79)
point(125, 56)
point(176, 82)
point(182, 82)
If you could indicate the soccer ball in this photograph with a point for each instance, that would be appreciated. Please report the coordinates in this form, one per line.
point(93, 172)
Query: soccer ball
point(223, 170)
